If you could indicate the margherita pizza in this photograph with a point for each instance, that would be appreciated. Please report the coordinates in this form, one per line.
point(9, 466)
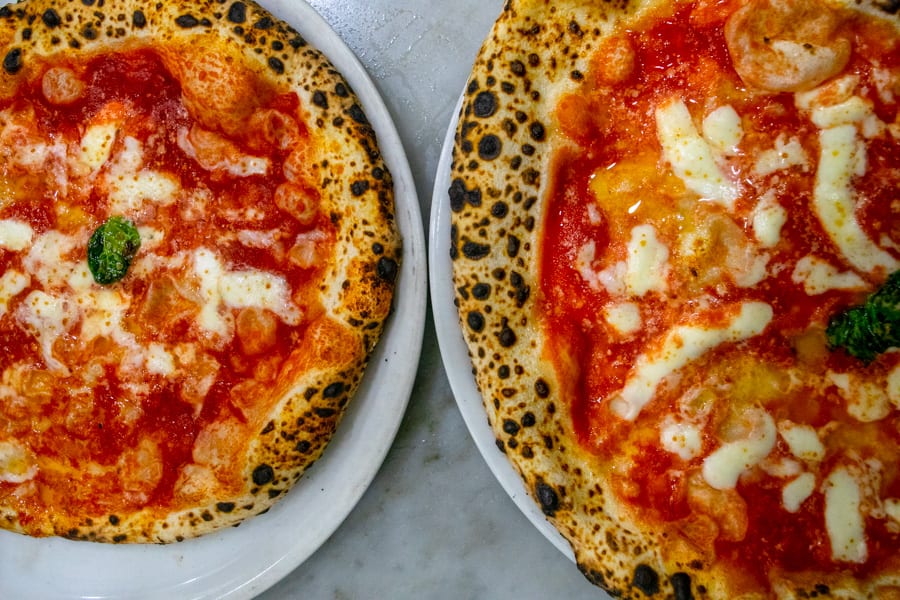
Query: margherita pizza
point(197, 255)
point(676, 250)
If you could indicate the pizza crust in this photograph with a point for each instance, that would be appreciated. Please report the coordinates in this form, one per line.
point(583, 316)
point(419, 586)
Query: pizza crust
point(217, 50)
point(537, 52)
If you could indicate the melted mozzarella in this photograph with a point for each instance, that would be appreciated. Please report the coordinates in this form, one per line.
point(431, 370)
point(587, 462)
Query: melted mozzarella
point(725, 465)
point(16, 464)
point(867, 401)
point(768, 219)
point(797, 491)
point(647, 264)
point(47, 317)
point(96, 146)
point(818, 276)
point(843, 157)
point(239, 289)
point(12, 283)
point(15, 235)
point(787, 153)
point(680, 346)
point(843, 517)
point(692, 157)
point(722, 128)
point(624, 317)
point(802, 441)
point(681, 438)
point(130, 185)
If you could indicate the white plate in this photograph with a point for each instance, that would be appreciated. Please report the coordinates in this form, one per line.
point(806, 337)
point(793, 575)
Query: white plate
point(244, 561)
point(455, 354)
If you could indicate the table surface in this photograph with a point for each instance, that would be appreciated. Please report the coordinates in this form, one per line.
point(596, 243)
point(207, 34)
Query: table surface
point(434, 523)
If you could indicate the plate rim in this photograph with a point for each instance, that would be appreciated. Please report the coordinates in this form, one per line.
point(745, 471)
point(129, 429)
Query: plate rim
point(454, 352)
point(398, 353)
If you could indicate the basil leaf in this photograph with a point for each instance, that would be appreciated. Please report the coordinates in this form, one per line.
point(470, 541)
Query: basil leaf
point(867, 330)
point(111, 248)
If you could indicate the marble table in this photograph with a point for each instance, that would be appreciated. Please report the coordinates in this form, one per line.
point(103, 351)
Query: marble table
point(434, 523)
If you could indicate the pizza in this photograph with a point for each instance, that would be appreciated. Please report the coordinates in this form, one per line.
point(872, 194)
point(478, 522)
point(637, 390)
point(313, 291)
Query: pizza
point(197, 256)
point(675, 252)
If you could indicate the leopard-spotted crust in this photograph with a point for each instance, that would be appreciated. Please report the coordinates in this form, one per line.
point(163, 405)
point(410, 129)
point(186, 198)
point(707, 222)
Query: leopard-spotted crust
point(356, 191)
point(537, 51)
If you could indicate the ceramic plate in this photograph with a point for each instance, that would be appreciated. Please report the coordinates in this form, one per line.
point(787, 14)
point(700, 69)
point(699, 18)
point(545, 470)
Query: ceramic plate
point(243, 561)
point(455, 353)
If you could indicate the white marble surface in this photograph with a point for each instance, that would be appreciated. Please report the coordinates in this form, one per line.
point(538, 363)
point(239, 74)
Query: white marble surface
point(435, 523)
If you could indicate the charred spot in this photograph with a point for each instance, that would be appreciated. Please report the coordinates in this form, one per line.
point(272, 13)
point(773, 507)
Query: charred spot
point(12, 62)
point(264, 23)
point(503, 372)
point(531, 176)
point(276, 64)
point(538, 133)
point(207, 516)
point(118, 539)
point(577, 75)
point(320, 99)
point(501, 446)
point(510, 427)
point(5, 12)
point(308, 394)
point(187, 21)
point(277, 45)
point(517, 67)
point(507, 337)
point(357, 114)
point(541, 388)
point(297, 42)
point(89, 33)
point(475, 320)
point(334, 390)
point(891, 7)
point(341, 90)
point(460, 196)
point(507, 87)
point(646, 580)
point(263, 474)
point(303, 447)
point(499, 209)
point(51, 18)
point(489, 147)
point(237, 12)
point(481, 291)
point(821, 587)
point(139, 19)
point(485, 105)
point(515, 163)
point(528, 419)
point(324, 413)
point(547, 498)
point(114, 520)
point(454, 238)
point(475, 251)
point(534, 60)
point(387, 269)
point(269, 428)
point(358, 188)
point(225, 507)
point(512, 246)
point(681, 586)
point(528, 149)
point(26, 34)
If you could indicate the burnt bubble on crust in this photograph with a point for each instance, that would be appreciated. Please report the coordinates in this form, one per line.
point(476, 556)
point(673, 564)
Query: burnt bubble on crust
point(646, 579)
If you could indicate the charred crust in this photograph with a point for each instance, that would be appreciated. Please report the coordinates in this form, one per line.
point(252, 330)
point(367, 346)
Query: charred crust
point(475, 251)
point(303, 446)
point(237, 13)
point(356, 113)
point(263, 474)
point(646, 579)
point(51, 18)
point(139, 19)
point(119, 538)
point(475, 321)
point(481, 291)
point(507, 337)
point(510, 427)
point(320, 99)
point(113, 520)
point(387, 269)
point(681, 586)
point(187, 21)
point(333, 390)
point(484, 105)
point(489, 147)
point(12, 62)
point(225, 507)
point(276, 64)
point(542, 388)
point(360, 187)
point(547, 498)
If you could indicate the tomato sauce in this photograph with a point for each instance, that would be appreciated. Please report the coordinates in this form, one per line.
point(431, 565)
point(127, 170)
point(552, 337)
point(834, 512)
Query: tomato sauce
point(612, 125)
